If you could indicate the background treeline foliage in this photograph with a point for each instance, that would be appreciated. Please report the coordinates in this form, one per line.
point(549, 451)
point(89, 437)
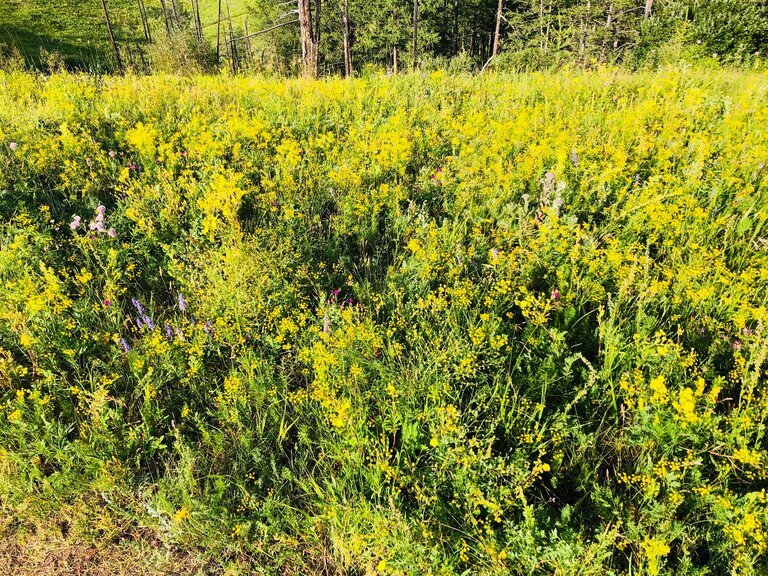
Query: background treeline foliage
point(267, 35)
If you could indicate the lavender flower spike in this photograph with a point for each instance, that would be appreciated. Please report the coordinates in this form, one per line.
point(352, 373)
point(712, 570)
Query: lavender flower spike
point(137, 305)
point(125, 344)
point(182, 303)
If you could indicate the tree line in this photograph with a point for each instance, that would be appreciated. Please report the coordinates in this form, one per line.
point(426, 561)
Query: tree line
point(316, 37)
point(341, 36)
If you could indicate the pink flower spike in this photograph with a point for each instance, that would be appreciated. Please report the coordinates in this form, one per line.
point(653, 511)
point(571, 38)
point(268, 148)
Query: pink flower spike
point(556, 294)
point(111, 233)
point(75, 223)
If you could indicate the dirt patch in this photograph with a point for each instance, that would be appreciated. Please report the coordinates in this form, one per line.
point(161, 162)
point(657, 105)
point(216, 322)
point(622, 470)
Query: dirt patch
point(50, 552)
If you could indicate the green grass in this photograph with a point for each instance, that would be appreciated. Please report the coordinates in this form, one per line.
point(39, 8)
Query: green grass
point(76, 29)
point(209, 14)
point(72, 28)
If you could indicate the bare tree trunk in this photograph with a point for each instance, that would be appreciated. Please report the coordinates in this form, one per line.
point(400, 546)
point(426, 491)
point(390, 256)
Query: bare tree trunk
point(111, 35)
point(497, 33)
point(233, 47)
point(648, 9)
point(541, 25)
point(198, 23)
point(144, 21)
point(308, 46)
point(218, 36)
point(394, 59)
point(347, 47)
point(415, 33)
point(165, 16)
point(455, 27)
point(247, 43)
point(175, 13)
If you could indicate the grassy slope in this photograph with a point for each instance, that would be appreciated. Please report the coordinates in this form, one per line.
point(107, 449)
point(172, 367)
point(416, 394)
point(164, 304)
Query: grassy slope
point(73, 28)
point(209, 14)
point(76, 29)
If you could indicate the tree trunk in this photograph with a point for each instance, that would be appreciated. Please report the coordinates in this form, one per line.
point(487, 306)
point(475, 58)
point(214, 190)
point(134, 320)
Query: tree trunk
point(165, 16)
point(144, 22)
point(347, 47)
point(316, 31)
point(233, 46)
point(648, 9)
point(111, 35)
point(497, 33)
point(308, 47)
point(394, 59)
point(218, 36)
point(415, 33)
point(198, 23)
point(541, 25)
point(455, 26)
point(175, 13)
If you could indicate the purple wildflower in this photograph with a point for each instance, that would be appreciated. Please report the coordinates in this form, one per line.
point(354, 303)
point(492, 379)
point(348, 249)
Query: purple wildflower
point(168, 331)
point(107, 303)
point(75, 223)
point(126, 346)
point(111, 233)
point(575, 158)
point(182, 303)
point(556, 294)
point(179, 334)
point(137, 305)
point(139, 323)
point(148, 321)
point(207, 327)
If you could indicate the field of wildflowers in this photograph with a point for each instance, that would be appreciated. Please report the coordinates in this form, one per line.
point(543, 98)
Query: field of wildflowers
point(410, 325)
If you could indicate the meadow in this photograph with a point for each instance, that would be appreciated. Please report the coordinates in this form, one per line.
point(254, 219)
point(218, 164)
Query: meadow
point(423, 324)
point(74, 32)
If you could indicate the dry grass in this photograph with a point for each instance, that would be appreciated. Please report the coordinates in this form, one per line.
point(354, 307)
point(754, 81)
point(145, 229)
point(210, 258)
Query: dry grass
point(48, 548)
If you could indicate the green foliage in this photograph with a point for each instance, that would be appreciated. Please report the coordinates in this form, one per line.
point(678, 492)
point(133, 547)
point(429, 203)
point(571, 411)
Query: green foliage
point(535, 34)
